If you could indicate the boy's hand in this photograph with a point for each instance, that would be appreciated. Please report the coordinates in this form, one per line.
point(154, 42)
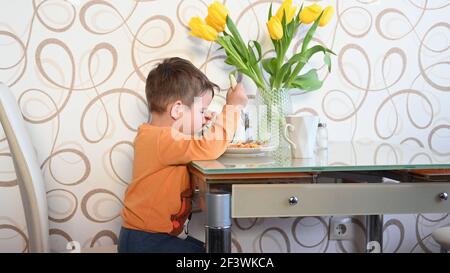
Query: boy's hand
point(209, 116)
point(237, 96)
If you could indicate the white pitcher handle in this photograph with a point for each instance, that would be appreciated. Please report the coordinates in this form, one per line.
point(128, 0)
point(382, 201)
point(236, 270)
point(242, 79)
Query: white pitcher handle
point(289, 127)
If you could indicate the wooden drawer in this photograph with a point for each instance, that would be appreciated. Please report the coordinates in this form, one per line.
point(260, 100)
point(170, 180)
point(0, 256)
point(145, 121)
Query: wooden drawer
point(272, 200)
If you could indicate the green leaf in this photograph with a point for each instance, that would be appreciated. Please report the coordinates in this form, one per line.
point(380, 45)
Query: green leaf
point(290, 30)
point(310, 33)
point(284, 25)
point(280, 75)
point(255, 57)
point(227, 45)
point(231, 52)
point(269, 65)
point(251, 55)
point(287, 74)
point(229, 61)
point(258, 49)
point(237, 37)
point(271, 81)
point(308, 82)
point(297, 17)
point(270, 12)
point(244, 54)
point(233, 46)
point(306, 55)
point(327, 61)
point(236, 59)
point(303, 57)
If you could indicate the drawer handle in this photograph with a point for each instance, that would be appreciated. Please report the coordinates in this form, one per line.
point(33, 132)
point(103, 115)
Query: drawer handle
point(443, 196)
point(293, 200)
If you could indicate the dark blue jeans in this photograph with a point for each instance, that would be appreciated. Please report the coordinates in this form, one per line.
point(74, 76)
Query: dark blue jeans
point(136, 241)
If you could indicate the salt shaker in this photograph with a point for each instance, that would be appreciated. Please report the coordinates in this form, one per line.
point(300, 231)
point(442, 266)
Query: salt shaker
point(322, 136)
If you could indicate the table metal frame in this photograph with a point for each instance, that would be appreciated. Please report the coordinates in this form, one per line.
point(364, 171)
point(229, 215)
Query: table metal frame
point(214, 195)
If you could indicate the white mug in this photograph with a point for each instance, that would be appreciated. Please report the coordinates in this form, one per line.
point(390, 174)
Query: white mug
point(300, 132)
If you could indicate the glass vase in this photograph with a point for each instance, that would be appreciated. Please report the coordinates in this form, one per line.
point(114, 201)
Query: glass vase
point(272, 107)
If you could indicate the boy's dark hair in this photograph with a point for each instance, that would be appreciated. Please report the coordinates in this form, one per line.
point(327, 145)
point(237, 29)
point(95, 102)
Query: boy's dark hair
point(175, 79)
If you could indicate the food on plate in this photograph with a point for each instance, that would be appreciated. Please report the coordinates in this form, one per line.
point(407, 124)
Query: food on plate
point(252, 144)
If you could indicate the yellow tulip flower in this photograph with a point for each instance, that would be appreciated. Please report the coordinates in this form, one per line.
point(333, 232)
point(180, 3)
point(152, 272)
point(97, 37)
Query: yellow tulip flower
point(201, 30)
point(288, 9)
point(326, 16)
point(217, 16)
point(310, 13)
point(275, 28)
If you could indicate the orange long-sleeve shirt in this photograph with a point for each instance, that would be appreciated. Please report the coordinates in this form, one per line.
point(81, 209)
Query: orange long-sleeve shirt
point(158, 198)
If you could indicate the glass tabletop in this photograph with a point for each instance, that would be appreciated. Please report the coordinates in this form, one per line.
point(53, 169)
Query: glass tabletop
point(340, 156)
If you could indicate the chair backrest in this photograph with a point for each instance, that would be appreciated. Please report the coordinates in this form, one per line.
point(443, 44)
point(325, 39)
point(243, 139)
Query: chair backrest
point(28, 172)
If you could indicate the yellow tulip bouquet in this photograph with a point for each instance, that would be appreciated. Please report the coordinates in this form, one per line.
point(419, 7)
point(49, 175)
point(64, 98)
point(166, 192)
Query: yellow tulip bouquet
point(282, 73)
point(282, 27)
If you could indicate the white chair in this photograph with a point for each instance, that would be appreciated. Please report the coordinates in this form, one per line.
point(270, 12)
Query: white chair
point(442, 236)
point(29, 175)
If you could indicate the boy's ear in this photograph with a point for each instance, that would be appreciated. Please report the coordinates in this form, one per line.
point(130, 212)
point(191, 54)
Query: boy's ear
point(176, 110)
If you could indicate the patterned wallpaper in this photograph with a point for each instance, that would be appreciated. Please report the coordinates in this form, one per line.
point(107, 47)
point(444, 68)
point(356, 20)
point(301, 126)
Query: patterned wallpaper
point(78, 70)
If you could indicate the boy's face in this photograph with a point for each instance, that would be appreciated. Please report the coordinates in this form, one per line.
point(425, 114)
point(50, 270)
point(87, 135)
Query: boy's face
point(195, 116)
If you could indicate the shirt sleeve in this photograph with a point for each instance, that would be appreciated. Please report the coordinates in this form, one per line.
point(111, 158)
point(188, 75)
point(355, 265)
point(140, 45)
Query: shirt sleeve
point(175, 148)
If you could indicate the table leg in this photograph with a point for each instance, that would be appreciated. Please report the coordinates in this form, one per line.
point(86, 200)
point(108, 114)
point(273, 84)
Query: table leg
point(218, 222)
point(374, 233)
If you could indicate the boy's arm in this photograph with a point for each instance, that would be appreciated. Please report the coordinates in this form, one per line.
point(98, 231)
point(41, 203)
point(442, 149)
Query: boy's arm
point(175, 148)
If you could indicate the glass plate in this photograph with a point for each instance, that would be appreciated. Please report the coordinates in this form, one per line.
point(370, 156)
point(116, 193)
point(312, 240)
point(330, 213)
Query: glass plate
point(249, 151)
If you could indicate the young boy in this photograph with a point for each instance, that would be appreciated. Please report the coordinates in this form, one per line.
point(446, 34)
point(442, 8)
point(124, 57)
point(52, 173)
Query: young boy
point(157, 202)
